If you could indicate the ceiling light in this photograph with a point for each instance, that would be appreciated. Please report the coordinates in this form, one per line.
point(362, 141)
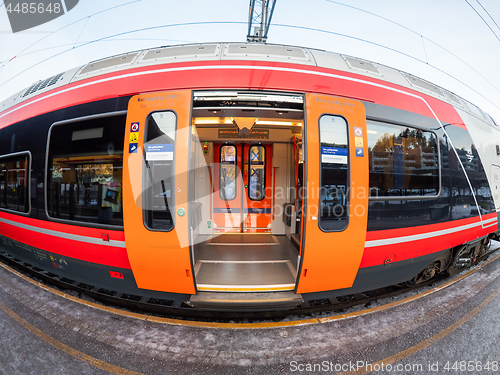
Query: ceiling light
point(271, 123)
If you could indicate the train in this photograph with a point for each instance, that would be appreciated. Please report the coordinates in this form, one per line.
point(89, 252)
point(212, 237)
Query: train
point(242, 176)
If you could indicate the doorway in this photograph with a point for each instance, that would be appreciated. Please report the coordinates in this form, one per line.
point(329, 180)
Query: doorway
point(245, 140)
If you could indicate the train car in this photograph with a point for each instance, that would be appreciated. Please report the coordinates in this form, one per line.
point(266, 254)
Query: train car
point(229, 175)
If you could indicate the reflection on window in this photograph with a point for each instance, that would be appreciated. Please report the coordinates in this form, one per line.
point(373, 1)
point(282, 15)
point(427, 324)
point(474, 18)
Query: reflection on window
point(257, 175)
point(85, 171)
point(468, 157)
point(14, 183)
point(158, 196)
point(334, 195)
point(227, 181)
point(403, 161)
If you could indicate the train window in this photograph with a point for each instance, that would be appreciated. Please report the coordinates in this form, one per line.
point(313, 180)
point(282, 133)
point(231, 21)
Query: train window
point(158, 196)
point(84, 179)
point(227, 180)
point(257, 175)
point(334, 179)
point(467, 156)
point(14, 177)
point(404, 162)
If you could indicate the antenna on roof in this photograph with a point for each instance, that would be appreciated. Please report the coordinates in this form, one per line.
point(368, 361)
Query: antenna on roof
point(259, 19)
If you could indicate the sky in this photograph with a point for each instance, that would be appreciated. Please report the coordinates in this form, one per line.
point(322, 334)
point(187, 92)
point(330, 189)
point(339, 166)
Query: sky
point(452, 43)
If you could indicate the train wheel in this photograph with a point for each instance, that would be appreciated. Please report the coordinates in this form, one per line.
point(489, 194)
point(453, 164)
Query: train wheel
point(428, 273)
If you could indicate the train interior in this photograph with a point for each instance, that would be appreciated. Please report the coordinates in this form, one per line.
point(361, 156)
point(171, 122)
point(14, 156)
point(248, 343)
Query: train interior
point(245, 174)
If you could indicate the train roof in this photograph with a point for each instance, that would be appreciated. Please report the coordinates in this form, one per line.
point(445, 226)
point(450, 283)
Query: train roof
point(245, 52)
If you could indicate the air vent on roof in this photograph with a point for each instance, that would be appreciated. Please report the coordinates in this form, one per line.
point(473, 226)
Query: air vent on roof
point(453, 98)
point(111, 62)
point(264, 51)
point(485, 115)
point(210, 50)
point(421, 84)
point(479, 112)
point(40, 85)
point(362, 65)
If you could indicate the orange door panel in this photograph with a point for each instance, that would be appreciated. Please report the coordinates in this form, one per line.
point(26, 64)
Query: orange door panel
point(158, 251)
point(335, 212)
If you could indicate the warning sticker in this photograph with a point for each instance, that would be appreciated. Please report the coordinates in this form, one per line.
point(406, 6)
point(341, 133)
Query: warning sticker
point(134, 127)
point(134, 138)
point(358, 132)
point(358, 141)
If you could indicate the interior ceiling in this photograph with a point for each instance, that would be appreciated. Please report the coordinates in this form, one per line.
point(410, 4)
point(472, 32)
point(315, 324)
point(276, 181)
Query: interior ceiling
point(246, 110)
point(268, 113)
point(267, 122)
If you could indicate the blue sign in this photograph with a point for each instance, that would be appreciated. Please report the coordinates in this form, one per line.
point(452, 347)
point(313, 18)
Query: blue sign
point(160, 152)
point(360, 152)
point(132, 148)
point(335, 155)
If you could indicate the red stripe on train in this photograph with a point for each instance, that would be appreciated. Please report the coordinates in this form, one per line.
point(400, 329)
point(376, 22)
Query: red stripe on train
point(404, 250)
point(116, 235)
point(88, 252)
point(401, 232)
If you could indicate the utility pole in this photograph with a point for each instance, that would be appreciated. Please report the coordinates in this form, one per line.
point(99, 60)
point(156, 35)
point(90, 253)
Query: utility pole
point(259, 19)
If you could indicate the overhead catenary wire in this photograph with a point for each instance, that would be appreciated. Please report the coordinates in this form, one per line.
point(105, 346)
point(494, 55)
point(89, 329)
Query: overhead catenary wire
point(236, 22)
point(74, 22)
point(421, 36)
point(110, 37)
point(489, 15)
point(486, 23)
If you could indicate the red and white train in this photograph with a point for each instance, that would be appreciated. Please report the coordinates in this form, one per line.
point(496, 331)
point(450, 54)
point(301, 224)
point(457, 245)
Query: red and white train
point(219, 173)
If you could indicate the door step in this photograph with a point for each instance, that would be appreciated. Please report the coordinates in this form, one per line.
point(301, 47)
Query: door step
point(246, 301)
point(244, 276)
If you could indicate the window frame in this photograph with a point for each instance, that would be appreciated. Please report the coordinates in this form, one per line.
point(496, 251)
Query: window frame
point(348, 183)
point(235, 172)
point(409, 197)
point(28, 181)
point(46, 174)
point(144, 174)
point(250, 168)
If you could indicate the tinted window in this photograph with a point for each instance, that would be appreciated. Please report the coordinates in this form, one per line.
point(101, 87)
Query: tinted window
point(14, 183)
point(404, 161)
point(468, 157)
point(334, 193)
point(84, 179)
point(158, 196)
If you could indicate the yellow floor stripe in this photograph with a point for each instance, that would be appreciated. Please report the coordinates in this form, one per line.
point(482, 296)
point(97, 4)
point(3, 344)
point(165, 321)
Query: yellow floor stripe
point(66, 349)
point(424, 344)
point(188, 323)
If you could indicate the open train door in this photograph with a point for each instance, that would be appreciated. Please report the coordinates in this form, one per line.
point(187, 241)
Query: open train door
point(335, 206)
point(155, 191)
